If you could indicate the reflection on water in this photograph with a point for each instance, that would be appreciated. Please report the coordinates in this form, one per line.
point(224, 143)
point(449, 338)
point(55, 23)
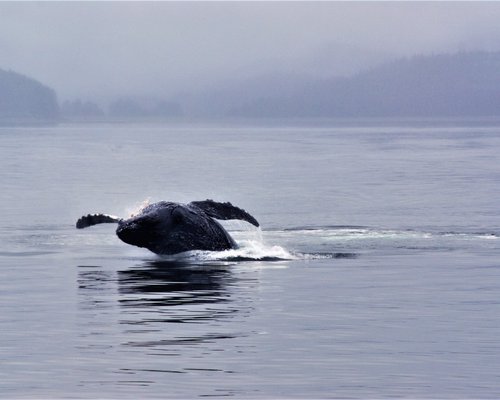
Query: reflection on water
point(192, 299)
point(149, 322)
point(172, 283)
point(176, 293)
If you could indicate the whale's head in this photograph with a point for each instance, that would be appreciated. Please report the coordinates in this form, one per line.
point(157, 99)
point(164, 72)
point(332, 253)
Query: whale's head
point(141, 231)
point(169, 228)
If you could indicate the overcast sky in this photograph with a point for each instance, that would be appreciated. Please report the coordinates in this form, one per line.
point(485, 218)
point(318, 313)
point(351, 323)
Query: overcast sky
point(97, 50)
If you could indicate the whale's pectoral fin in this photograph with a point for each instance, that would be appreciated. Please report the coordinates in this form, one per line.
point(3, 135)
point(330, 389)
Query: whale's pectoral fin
point(94, 219)
point(223, 211)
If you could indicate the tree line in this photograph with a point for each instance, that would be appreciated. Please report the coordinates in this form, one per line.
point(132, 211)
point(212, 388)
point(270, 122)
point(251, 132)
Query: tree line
point(440, 85)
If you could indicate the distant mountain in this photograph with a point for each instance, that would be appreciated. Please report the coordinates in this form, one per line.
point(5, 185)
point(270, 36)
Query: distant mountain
point(25, 100)
point(445, 85)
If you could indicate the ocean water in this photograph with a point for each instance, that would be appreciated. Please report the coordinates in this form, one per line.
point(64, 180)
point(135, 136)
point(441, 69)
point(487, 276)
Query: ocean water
point(375, 274)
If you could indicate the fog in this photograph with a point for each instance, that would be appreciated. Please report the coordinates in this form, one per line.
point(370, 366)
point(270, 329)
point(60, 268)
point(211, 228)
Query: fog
point(98, 51)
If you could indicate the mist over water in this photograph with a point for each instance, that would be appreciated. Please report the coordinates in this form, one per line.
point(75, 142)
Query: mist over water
point(374, 274)
point(170, 49)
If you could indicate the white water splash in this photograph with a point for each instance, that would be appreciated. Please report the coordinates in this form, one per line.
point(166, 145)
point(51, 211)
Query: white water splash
point(256, 250)
point(138, 207)
point(248, 250)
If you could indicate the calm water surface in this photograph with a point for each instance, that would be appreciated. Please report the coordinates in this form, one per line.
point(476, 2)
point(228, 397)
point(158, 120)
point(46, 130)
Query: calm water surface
point(376, 272)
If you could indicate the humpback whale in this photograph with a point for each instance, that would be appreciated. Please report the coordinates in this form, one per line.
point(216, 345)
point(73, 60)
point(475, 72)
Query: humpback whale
point(170, 228)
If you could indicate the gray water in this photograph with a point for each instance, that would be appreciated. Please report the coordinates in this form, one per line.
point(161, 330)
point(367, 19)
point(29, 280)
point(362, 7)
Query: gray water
point(376, 272)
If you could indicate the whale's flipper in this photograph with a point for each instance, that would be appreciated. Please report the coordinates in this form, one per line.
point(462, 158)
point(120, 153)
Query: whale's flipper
point(94, 219)
point(223, 211)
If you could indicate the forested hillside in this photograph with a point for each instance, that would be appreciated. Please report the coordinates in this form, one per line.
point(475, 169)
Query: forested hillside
point(25, 100)
point(458, 85)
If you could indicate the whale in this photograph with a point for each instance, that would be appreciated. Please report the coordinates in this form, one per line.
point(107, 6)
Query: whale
point(168, 228)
